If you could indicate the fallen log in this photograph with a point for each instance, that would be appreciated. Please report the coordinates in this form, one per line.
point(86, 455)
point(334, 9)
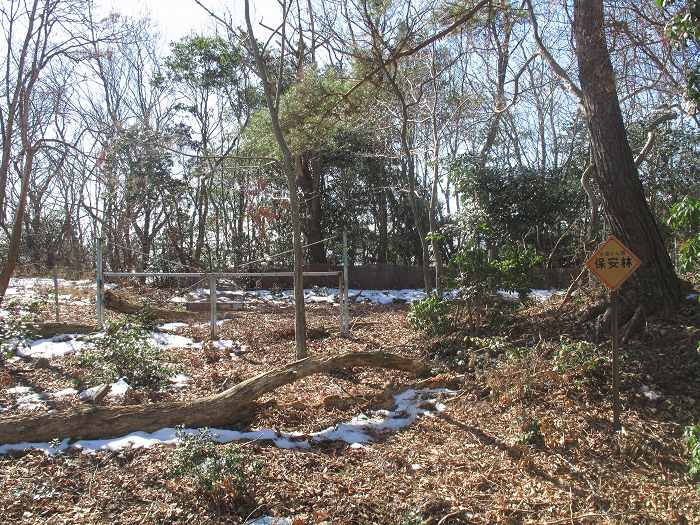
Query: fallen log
point(234, 405)
point(50, 329)
point(121, 304)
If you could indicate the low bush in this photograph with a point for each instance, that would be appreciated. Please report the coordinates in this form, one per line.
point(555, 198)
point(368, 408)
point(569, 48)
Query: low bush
point(509, 271)
point(126, 352)
point(580, 356)
point(431, 316)
point(213, 469)
point(685, 221)
point(692, 440)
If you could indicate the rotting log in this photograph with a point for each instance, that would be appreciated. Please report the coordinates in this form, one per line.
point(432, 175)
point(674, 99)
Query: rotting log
point(234, 405)
point(121, 304)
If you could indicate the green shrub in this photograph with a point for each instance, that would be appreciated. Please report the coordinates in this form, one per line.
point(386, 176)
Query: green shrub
point(685, 220)
point(580, 356)
point(431, 316)
point(510, 270)
point(514, 265)
point(211, 467)
point(146, 318)
point(692, 440)
point(125, 351)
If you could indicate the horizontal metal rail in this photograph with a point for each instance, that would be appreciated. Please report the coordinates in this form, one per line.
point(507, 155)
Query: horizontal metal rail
point(222, 275)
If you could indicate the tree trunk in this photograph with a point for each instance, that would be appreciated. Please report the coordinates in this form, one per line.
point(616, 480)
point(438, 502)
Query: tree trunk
point(432, 213)
point(299, 311)
point(235, 405)
point(310, 179)
point(655, 283)
point(16, 238)
point(272, 93)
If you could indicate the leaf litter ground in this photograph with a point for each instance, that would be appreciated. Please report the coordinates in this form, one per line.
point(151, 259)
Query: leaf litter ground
point(467, 464)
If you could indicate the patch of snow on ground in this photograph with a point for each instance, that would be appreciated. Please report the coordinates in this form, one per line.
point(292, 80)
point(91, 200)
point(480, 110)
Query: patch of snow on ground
point(116, 390)
point(269, 520)
point(360, 431)
point(537, 294)
point(66, 392)
point(224, 344)
point(649, 393)
point(119, 388)
point(179, 381)
point(31, 401)
point(330, 296)
point(543, 295)
point(27, 399)
point(18, 390)
point(171, 340)
point(172, 326)
point(57, 346)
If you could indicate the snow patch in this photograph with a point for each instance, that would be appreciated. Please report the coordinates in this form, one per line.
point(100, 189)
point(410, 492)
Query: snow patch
point(649, 393)
point(537, 294)
point(27, 398)
point(331, 296)
point(180, 381)
point(224, 344)
point(116, 390)
point(19, 390)
point(57, 346)
point(172, 326)
point(171, 340)
point(66, 392)
point(269, 520)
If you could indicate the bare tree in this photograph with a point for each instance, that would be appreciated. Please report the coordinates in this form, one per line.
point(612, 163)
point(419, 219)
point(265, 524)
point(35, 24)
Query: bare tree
point(38, 35)
point(290, 165)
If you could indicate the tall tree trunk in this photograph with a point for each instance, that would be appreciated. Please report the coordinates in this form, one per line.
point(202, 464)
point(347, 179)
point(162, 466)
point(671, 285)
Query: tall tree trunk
point(16, 238)
point(310, 179)
point(655, 283)
point(432, 213)
point(272, 93)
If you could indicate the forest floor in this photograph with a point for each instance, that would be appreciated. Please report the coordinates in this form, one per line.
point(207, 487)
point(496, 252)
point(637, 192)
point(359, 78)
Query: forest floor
point(522, 436)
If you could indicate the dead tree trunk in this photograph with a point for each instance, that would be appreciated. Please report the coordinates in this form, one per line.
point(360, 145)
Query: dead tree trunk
point(235, 405)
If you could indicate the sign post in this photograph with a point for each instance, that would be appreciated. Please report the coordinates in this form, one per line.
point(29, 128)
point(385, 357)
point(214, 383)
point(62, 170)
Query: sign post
point(613, 263)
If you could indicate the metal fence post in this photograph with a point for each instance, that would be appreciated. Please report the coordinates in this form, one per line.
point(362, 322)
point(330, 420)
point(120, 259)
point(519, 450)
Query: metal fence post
point(55, 294)
point(212, 302)
point(99, 284)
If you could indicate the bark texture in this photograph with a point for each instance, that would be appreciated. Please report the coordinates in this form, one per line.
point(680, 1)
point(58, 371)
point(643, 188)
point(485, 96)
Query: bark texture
point(235, 405)
point(655, 283)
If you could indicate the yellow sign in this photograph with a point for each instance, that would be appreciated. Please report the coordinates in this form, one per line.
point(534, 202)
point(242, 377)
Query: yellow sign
point(613, 263)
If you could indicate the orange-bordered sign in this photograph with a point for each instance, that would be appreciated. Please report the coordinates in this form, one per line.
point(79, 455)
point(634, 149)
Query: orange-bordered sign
point(613, 263)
